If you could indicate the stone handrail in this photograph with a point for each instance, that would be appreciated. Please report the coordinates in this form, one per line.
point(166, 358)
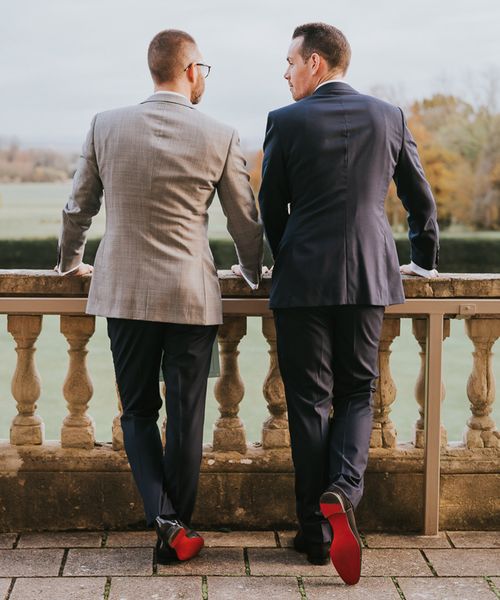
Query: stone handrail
point(21, 294)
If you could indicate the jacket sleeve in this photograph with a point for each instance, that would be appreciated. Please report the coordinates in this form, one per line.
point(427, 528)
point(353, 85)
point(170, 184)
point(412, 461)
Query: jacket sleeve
point(416, 196)
point(83, 204)
point(238, 203)
point(274, 195)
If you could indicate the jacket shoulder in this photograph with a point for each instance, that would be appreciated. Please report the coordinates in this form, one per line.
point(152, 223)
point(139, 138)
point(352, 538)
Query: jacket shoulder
point(382, 106)
point(288, 111)
point(213, 125)
point(115, 114)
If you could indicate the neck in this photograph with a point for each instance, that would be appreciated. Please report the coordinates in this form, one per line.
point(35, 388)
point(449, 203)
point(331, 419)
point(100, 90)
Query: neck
point(174, 86)
point(328, 76)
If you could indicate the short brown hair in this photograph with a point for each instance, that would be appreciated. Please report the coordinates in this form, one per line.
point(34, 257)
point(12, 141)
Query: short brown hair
point(166, 53)
point(327, 41)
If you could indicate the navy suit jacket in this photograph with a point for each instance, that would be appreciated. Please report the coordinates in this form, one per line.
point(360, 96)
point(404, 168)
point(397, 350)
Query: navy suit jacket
point(328, 162)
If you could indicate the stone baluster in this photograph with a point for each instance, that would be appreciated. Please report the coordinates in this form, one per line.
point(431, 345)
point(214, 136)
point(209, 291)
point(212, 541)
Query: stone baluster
point(78, 429)
point(27, 427)
point(384, 433)
point(275, 432)
point(229, 431)
point(116, 430)
point(419, 328)
point(480, 431)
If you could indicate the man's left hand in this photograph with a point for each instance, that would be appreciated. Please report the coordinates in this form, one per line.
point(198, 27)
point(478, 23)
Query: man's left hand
point(83, 269)
point(407, 270)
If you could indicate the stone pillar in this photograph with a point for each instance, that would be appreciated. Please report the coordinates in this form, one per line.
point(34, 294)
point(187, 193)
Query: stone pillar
point(78, 429)
point(275, 432)
point(384, 433)
point(27, 427)
point(419, 328)
point(481, 431)
point(229, 431)
point(116, 430)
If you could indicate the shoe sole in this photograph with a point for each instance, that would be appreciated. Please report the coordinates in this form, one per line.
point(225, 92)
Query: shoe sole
point(345, 551)
point(186, 547)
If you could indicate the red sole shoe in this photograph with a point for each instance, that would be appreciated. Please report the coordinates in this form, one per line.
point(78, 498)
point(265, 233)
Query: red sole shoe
point(345, 551)
point(186, 547)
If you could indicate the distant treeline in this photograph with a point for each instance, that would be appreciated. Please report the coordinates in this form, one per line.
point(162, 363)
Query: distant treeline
point(457, 254)
point(34, 165)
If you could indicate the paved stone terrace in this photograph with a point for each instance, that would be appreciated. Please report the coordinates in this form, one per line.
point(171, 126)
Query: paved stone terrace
point(244, 566)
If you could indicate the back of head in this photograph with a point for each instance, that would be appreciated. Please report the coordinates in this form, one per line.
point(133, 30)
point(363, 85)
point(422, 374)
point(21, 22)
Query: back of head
point(327, 41)
point(168, 55)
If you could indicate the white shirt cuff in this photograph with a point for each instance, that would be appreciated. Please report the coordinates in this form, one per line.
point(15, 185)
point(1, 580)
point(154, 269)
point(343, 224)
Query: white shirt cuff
point(253, 286)
point(423, 272)
point(58, 269)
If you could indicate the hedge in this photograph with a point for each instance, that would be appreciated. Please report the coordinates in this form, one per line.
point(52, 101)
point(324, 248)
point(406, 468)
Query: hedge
point(457, 254)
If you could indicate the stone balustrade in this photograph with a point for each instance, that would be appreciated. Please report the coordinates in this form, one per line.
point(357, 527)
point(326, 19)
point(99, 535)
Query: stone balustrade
point(230, 460)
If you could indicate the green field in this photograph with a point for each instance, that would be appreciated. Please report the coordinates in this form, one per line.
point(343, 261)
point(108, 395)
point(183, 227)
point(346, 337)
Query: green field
point(33, 210)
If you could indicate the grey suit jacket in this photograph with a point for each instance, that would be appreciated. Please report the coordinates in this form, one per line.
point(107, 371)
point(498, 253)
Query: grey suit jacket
point(159, 164)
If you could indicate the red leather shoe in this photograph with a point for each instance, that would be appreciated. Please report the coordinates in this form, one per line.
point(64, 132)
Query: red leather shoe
point(345, 551)
point(176, 541)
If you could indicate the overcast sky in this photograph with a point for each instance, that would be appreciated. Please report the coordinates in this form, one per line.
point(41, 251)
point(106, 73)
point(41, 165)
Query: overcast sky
point(61, 61)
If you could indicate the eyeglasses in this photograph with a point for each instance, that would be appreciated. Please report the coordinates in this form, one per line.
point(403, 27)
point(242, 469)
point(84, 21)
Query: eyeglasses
point(204, 69)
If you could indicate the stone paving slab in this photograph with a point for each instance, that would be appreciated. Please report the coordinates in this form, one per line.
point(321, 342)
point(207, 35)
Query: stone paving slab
point(109, 561)
point(131, 539)
point(374, 588)
point(465, 563)
point(7, 540)
point(62, 539)
point(30, 563)
point(253, 588)
point(155, 588)
point(283, 561)
point(239, 539)
point(475, 539)
point(210, 561)
point(59, 588)
point(4, 587)
point(445, 588)
point(496, 583)
point(386, 540)
point(390, 563)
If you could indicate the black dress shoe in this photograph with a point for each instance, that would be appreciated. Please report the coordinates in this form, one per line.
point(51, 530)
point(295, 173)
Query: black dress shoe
point(317, 553)
point(176, 541)
point(345, 551)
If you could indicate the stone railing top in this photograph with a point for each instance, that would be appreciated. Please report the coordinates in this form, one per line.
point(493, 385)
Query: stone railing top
point(34, 283)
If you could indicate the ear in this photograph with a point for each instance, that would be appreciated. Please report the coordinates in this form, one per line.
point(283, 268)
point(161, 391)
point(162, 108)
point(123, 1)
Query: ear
point(191, 73)
point(315, 61)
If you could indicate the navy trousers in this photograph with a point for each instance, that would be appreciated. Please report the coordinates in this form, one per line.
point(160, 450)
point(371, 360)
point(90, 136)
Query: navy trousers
point(167, 479)
point(328, 358)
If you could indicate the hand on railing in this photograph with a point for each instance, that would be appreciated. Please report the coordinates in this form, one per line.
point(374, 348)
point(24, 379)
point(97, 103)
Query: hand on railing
point(82, 269)
point(409, 270)
point(236, 269)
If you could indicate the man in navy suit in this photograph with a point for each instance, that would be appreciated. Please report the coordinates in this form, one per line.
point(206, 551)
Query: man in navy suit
point(328, 162)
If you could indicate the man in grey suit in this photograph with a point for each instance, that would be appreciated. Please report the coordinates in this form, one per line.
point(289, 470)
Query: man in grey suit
point(159, 165)
point(328, 161)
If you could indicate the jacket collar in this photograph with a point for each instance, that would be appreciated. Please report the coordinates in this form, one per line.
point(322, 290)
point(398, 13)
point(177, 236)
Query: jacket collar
point(168, 97)
point(335, 87)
